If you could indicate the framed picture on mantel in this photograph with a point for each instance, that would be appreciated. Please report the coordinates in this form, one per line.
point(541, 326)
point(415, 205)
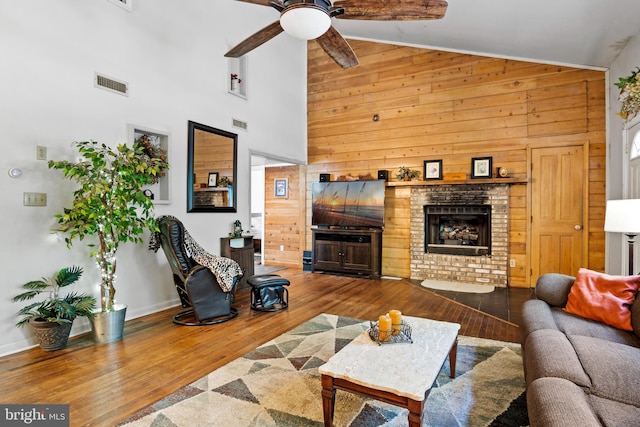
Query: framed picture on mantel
point(481, 167)
point(213, 179)
point(432, 169)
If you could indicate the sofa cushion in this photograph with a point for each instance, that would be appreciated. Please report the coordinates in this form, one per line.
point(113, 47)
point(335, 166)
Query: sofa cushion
point(614, 413)
point(614, 368)
point(554, 288)
point(603, 297)
point(558, 402)
point(536, 315)
point(571, 324)
point(635, 316)
point(549, 353)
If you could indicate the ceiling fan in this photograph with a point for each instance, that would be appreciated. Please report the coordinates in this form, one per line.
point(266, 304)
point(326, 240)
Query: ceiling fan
point(311, 19)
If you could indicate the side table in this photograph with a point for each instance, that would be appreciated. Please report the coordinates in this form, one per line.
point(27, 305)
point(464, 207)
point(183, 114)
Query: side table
point(239, 249)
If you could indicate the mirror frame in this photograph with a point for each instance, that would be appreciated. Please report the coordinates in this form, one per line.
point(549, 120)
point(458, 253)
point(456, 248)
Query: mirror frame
point(193, 126)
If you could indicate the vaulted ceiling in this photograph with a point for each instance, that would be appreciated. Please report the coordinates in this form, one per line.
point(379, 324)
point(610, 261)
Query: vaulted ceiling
point(578, 32)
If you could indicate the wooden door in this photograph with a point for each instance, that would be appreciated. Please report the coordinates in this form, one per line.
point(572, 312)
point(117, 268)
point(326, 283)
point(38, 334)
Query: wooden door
point(557, 198)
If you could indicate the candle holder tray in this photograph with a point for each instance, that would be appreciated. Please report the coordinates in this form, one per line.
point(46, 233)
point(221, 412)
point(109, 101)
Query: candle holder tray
point(403, 336)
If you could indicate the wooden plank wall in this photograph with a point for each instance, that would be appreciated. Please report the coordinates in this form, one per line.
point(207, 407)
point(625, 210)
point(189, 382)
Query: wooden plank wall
point(451, 106)
point(284, 218)
point(212, 153)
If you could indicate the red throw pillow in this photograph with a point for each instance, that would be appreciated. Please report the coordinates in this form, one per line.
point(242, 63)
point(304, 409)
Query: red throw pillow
point(604, 298)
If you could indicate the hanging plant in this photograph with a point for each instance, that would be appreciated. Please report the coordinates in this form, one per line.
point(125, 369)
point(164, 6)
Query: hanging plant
point(629, 95)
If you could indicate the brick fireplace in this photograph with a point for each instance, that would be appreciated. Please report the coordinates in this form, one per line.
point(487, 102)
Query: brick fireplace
point(456, 254)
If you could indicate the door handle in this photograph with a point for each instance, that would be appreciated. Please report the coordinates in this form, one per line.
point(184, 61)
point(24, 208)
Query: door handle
point(577, 227)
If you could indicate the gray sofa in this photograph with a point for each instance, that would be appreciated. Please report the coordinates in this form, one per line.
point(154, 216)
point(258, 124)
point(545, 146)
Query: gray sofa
point(578, 372)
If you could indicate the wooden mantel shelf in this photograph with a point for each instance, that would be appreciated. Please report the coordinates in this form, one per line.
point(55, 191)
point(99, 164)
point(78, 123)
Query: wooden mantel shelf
point(452, 182)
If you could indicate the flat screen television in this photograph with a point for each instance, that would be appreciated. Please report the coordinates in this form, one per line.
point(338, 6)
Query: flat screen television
point(348, 204)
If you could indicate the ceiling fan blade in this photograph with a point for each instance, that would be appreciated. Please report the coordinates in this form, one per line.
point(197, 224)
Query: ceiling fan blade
point(337, 48)
point(263, 2)
point(255, 40)
point(391, 10)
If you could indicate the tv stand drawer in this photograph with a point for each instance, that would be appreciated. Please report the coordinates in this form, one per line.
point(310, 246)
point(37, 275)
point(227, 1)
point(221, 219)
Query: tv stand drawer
point(332, 237)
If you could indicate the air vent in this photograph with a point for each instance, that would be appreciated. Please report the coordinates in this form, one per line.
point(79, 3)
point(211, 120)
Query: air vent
point(239, 124)
point(107, 83)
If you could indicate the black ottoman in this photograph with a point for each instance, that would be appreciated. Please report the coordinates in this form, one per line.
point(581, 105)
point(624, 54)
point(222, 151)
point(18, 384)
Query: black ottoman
point(268, 292)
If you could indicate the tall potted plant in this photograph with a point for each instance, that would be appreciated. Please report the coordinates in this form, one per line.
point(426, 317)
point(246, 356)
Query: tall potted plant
point(52, 318)
point(111, 207)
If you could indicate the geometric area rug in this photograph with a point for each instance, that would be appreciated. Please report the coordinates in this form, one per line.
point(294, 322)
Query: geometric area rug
point(278, 384)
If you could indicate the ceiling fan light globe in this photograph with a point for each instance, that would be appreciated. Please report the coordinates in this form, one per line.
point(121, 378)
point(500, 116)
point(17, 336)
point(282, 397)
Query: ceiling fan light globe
point(306, 23)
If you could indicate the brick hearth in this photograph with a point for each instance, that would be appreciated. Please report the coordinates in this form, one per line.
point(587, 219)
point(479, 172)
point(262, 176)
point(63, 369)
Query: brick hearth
point(489, 269)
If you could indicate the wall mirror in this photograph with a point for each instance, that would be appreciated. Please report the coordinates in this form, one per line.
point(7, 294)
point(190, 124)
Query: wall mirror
point(211, 169)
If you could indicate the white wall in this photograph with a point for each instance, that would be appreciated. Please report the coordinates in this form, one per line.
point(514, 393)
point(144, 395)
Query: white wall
point(628, 60)
point(171, 54)
point(257, 189)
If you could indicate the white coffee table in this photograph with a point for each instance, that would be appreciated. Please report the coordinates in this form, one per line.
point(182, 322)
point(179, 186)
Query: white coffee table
point(399, 374)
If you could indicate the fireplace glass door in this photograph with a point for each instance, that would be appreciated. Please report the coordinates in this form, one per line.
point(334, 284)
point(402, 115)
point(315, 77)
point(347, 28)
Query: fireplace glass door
point(458, 229)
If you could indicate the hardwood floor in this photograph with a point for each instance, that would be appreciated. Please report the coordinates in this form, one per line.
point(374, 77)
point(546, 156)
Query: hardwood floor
point(105, 384)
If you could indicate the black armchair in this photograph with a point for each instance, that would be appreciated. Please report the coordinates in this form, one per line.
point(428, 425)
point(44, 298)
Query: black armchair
point(197, 286)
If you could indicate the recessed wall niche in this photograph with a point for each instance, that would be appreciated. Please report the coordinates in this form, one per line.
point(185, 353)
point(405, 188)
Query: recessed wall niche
point(237, 76)
point(160, 190)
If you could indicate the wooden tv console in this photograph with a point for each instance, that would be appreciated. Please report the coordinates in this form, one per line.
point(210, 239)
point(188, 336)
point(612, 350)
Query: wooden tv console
point(350, 251)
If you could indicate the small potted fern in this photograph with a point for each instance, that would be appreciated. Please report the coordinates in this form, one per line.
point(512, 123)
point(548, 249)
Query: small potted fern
point(52, 317)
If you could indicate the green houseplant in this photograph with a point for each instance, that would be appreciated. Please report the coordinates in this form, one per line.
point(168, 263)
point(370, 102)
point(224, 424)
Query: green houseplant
point(406, 174)
point(629, 94)
point(52, 317)
point(110, 206)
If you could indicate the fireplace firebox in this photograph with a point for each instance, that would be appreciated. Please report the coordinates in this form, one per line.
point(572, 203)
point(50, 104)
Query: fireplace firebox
point(458, 229)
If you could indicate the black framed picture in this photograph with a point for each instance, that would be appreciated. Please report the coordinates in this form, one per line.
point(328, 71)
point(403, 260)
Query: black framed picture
point(432, 169)
point(213, 179)
point(280, 187)
point(481, 167)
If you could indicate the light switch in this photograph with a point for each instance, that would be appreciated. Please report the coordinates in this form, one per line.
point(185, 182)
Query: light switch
point(34, 199)
point(41, 153)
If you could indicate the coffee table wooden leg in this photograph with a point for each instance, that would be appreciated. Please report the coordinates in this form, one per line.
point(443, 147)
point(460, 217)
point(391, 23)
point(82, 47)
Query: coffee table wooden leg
point(415, 411)
point(452, 359)
point(328, 399)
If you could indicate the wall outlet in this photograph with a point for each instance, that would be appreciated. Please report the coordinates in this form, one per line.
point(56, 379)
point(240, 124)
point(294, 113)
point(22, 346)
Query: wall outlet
point(281, 248)
point(41, 153)
point(512, 263)
point(34, 199)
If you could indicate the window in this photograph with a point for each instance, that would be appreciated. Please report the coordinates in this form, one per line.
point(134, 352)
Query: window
point(635, 146)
